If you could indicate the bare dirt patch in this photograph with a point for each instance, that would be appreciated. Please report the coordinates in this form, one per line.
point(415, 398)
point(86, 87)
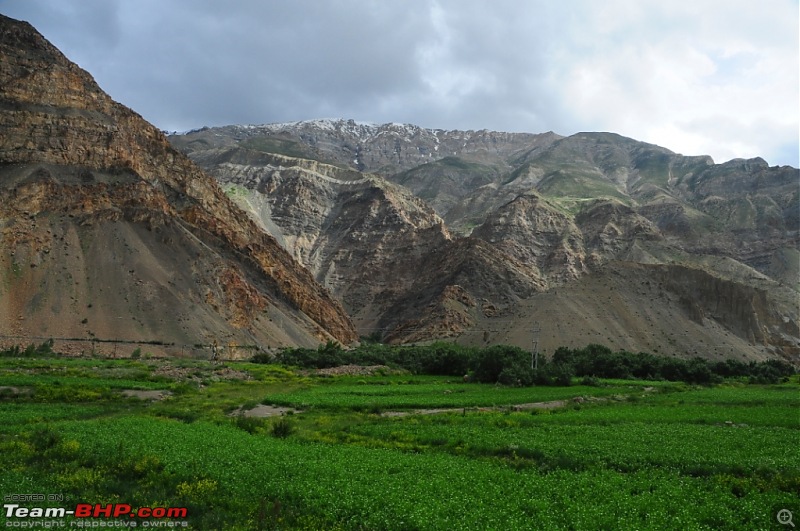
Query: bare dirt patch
point(553, 404)
point(357, 370)
point(264, 411)
point(149, 394)
point(517, 407)
point(8, 390)
point(196, 374)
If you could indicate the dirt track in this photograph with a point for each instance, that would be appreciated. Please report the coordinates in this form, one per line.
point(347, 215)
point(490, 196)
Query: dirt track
point(517, 407)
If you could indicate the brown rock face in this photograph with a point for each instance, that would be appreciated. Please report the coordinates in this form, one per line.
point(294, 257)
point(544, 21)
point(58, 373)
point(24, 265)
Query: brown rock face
point(381, 250)
point(538, 235)
point(598, 237)
point(746, 310)
point(75, 165)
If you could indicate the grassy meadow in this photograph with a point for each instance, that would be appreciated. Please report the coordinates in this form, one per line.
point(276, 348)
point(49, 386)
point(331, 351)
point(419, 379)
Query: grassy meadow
point(397, 451)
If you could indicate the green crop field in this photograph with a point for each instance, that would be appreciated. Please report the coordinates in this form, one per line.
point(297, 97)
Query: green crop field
point(424, 392)
point(394, 452)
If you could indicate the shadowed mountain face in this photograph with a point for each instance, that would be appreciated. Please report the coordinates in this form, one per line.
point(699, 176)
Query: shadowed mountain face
point(474, 235)
point(107, 231)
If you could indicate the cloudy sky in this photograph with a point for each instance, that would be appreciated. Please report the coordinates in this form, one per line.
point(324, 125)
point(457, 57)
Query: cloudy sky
point(717, 77)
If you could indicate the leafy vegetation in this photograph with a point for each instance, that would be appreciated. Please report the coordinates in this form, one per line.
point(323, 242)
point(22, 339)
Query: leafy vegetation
point(398, 393)
point(612, 454)
point(600, 361)
point(31, 350)
point(511, 365)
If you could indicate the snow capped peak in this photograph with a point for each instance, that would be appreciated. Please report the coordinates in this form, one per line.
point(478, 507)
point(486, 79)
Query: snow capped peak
point(359, 129)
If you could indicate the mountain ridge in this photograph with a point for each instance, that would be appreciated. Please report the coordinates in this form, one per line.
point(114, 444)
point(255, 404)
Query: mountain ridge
point(78, 168)
point(411, 233)
point(367, 129)
point(551, 211)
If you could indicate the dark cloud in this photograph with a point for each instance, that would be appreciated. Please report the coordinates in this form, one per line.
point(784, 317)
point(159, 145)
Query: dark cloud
point(645, 69)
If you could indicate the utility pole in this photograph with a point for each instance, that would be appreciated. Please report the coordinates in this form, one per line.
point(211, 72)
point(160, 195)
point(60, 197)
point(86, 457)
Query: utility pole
point(535, 352)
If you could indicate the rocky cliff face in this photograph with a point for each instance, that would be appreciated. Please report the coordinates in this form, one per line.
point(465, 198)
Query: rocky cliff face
point(380, 249)
point(753, 210)
point(359, 235)
point(672, 242)
point(538, 235)
point(87, 185)
point(747, 310)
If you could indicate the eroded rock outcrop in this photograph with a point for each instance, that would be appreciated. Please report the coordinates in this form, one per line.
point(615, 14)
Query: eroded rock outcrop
point(525, 217)
point(380, 249)
point(746, 311)
point(74, 163)
point(539, 236)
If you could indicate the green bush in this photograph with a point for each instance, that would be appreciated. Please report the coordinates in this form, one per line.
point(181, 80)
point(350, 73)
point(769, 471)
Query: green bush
point(42, 350)
point(251, 425)
point(590, 381)
point(600, 361)
point(282, 428)
point(440, 358)
point(517, 375)
point(263, 357)
point(510, 365)
point(44, 438)
point(490, 363)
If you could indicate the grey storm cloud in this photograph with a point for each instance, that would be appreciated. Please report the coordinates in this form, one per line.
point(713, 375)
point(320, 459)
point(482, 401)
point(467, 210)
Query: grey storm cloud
point(700, 77)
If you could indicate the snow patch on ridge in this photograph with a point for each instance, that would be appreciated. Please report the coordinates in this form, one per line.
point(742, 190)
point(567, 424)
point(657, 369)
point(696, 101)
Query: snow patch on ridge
point(362, 131)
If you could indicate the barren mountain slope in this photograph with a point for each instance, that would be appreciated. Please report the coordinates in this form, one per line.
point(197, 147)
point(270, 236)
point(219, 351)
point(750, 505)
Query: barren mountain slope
point(107, 231)
point(347, 228)
point(372, 243)
point(545, 217)
point(669, 310)
point(742, 209)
